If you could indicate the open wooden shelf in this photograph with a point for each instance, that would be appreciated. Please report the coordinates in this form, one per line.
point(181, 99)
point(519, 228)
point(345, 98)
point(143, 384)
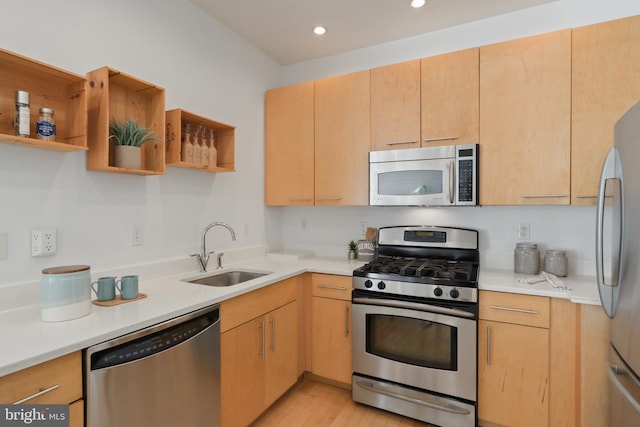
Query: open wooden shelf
point(49, 87)
point(116, 95)
point(224, 141)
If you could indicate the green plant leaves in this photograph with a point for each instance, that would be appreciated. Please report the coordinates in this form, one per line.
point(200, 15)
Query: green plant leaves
point(129, 133)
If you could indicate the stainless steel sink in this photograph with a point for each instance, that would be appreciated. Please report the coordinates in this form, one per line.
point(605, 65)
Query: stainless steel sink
point(228, 278)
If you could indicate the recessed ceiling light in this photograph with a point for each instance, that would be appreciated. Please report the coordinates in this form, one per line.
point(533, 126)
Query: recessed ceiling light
point(319, 30)
point(417, 3)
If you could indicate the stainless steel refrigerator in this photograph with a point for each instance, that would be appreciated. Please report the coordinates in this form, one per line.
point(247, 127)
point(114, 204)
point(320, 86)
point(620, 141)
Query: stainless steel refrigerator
point(618, 229)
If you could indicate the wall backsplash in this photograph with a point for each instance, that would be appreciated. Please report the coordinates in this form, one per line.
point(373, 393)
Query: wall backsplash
point(569, 228)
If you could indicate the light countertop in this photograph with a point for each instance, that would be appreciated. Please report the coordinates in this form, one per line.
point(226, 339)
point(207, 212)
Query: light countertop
point(27, 340)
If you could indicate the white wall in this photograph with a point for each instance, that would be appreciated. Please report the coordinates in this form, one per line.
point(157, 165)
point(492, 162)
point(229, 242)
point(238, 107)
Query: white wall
point(204, 68)
point(569, 228)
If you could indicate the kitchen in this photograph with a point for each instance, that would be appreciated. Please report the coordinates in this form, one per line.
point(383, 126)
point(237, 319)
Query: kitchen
point(94, 213)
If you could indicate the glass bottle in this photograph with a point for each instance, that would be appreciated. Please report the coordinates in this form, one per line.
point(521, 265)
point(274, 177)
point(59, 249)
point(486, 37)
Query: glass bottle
point(186, 152)
point(197, 148)
point(22, 114)
point(213, 153)
point(46, 125)
point(205, 149)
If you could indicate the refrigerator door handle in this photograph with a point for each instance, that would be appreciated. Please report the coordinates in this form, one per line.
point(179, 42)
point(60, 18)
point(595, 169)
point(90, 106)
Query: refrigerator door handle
point(615, 372)
point(610, 187)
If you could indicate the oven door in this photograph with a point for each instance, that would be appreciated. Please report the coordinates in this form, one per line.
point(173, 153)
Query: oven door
point(428, 347)
point(412, 183)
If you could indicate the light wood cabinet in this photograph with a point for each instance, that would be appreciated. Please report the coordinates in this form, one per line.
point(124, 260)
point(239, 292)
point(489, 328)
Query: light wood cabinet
point(450, 98)
point(513, 360)
point(113, 94)
point(395, 106)
point(605, 84)
point(62, 376)
point(342, 139)
point(48, 87)
point(525, 121)
point(527, 352)
point(224, 141)
point(331, 327)
point(259, 350)
point(289, 145)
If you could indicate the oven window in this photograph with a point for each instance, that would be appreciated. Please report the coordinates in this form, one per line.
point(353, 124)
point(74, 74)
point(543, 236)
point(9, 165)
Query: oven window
point(413, 341)
point(410, 183)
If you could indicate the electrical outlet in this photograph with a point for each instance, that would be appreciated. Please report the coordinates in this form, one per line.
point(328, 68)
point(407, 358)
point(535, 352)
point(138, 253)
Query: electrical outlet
point(363, 228)
point(137, 237)
point(43, 241)
point(524, 231)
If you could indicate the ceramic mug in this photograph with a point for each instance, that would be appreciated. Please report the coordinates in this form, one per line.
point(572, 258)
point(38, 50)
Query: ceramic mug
point(106, 288)
point(128, 287)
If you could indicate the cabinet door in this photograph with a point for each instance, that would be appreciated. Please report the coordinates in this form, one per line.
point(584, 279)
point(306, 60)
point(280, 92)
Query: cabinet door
point(342, 139)
point(281, 350)
point(395, 106)
point(605, 84)
point(242, 376)
point(525, 119)
point(289, 142)
point(450, 98)
point(513, 374)
point(331, 336)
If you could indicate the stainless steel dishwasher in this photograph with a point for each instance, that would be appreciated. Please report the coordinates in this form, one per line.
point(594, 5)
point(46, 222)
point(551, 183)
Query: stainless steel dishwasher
point(164, 375)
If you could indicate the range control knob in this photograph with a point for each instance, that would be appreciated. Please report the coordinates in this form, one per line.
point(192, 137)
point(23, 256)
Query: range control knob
point(454, 293)
point(437, 292)
point(368, 284)
point(381, 285)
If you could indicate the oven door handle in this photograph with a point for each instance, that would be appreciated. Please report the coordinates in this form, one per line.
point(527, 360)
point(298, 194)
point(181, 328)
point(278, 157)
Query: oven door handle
point(413, 306)
point(453, 409)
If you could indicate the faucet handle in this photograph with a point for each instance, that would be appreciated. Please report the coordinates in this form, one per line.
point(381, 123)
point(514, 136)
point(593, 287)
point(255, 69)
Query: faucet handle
point(219, 258)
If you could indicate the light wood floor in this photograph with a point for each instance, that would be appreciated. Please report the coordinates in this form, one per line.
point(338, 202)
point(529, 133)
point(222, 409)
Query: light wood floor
point(313, 404)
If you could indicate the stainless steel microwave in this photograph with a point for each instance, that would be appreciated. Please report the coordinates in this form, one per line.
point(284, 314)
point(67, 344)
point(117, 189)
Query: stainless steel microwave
point(430, 176)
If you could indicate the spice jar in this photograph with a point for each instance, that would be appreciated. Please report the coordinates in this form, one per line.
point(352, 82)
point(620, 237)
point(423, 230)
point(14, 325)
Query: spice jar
point(555, 262)
point(526, 258)
point(46, 125)
point(22, 114)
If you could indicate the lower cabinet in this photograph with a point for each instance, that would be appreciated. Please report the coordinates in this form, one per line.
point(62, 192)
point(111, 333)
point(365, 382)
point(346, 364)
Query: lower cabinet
point(513, 360)
point(259, 345)
point(331, 327)
point(58, 381)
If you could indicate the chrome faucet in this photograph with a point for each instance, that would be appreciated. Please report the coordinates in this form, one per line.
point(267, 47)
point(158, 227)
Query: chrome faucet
point(203, 256)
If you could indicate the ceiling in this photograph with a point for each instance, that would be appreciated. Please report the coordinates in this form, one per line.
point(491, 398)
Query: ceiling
point(283, 28)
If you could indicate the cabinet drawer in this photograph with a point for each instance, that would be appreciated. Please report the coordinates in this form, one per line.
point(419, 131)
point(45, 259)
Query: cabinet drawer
point(330, 286)
point(515, 308)
point(243, 308)
point(63, 376)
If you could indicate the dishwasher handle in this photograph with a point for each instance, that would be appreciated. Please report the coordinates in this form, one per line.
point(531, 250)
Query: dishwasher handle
point(157, 339)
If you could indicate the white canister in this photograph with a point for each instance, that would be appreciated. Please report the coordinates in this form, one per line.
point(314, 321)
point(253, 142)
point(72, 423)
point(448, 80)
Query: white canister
point(66, 293)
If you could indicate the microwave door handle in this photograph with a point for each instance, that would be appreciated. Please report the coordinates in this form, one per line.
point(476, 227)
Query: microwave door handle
point(452, 181)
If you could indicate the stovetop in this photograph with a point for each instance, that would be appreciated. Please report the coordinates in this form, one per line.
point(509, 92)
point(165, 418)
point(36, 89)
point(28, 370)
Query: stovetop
point(423, 261)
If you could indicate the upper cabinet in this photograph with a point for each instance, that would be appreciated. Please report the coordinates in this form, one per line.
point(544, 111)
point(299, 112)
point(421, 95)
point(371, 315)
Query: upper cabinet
point(605, 83)
point(289, 145)
point(116, 95)
point(395, 106)
point(48, 87)
point(450, 98)
point(342, 139)
point(525, 121)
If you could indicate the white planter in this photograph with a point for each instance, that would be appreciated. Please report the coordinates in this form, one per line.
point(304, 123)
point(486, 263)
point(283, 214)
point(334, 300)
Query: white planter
point(127, 156)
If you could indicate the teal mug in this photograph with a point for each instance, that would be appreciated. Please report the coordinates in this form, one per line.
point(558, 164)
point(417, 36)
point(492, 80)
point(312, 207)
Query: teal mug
point(128, 287)
point(106, 290)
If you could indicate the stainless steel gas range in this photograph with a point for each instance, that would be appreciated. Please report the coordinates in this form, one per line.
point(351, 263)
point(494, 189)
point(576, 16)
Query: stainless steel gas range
point(415, 312)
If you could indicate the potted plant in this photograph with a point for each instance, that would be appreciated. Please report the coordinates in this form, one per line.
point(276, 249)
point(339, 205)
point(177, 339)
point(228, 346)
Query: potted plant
point(352, 250)
point(128, 137)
